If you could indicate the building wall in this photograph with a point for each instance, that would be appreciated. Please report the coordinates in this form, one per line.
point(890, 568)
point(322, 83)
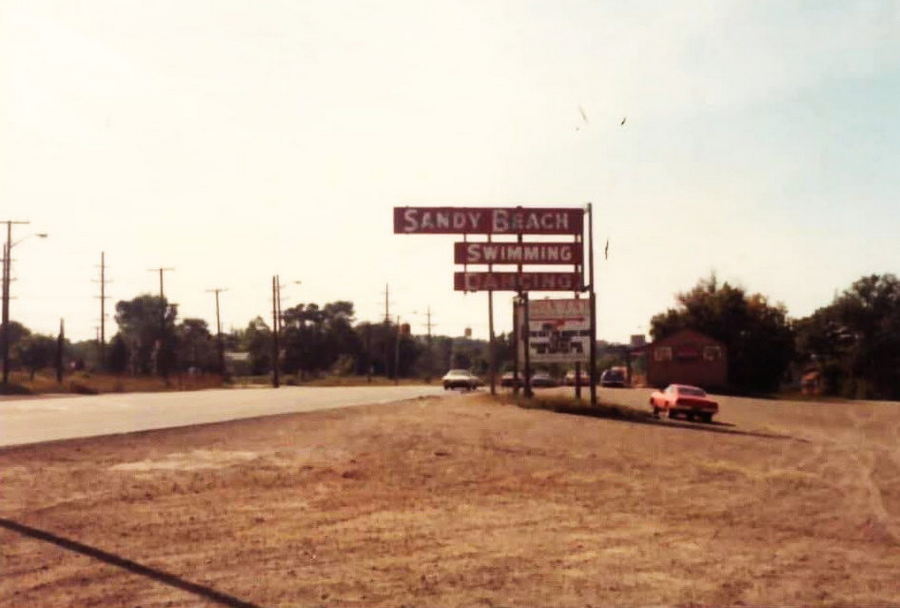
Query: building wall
point(687, 357)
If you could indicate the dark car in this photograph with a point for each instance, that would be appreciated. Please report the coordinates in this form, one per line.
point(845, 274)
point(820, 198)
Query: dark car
point(543, 380)
point(510, 379)
point(613, 378)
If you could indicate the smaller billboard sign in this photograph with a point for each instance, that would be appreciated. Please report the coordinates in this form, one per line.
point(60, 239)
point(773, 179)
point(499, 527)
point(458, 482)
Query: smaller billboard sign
point(516, 281)
point(559, 331)
point(488, 220)
point(517, 253)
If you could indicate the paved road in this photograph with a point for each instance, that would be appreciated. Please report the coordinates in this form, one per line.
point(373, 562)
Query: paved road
point(46, 419)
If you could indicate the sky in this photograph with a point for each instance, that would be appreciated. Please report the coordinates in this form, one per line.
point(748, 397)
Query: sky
point(235, 140)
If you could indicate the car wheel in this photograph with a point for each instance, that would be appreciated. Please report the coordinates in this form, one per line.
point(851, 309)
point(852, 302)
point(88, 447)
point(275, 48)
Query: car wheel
point(655, 412)
point(707, 418)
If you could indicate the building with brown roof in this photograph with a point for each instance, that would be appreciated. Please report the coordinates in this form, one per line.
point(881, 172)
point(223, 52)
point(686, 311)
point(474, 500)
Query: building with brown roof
point(687, 357)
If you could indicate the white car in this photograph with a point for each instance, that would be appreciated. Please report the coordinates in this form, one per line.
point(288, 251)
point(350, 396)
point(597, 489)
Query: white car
point(461, 378)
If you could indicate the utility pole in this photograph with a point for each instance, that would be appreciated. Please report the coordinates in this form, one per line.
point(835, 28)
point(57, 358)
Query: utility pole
point(369, 353)
point(219, 343)
point(161, 363)
point(593, 305)
point(101, 339)
point(275, 312)
point(7, 250)
point(60, 344)
point(430, 353)
point(397, 354)
point(387, 326)
point(162, 293)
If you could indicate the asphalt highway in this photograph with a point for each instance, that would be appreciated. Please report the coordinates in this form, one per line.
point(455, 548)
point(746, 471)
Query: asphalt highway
point(32, 420)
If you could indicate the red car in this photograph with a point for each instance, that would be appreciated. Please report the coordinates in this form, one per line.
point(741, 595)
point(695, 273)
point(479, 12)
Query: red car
point(682, 399)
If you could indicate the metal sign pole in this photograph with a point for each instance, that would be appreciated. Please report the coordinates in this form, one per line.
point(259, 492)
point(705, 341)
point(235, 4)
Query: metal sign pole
point(593, 297)
point(517, 335)
point(492, 358)
point(526, 330)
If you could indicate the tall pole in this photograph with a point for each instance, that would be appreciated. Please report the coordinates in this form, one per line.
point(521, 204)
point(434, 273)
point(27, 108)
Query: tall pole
point(275, 382)
point(369, 353)
point(101, 336)
point(579, 240)
point(161, 362)
point(430, 369)
point(517, 335)
point(102, 309)
point(60, 344)
point(492, 359)
point(387, 326)
point(526, 329)
point(593, 304)
point(219, 344)
point(397, 354)
point(7, 264)
point(6, 311)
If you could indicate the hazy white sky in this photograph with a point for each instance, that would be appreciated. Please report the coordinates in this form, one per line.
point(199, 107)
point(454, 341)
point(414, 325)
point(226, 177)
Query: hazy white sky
point(233, 140)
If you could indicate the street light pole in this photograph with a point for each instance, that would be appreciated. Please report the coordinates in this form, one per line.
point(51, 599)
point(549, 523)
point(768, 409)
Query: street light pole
point(7, 277)
point(220, 345)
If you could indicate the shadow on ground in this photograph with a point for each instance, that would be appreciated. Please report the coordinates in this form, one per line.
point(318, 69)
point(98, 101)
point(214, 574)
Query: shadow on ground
point(166, 578)
point(628, 414)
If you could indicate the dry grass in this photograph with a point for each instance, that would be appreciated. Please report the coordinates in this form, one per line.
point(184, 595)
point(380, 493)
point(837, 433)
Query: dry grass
point(463, 501)
point(89, 383)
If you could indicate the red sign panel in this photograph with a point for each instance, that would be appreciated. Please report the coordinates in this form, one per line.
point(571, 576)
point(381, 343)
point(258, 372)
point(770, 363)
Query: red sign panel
point(488, 220)
point(517, 281)
point(517, 253)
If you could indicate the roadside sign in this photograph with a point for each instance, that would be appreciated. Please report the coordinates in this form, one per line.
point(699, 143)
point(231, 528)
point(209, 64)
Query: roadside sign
point(517, 281)
point(488, 220)
point(559, 331)
point(517, 253)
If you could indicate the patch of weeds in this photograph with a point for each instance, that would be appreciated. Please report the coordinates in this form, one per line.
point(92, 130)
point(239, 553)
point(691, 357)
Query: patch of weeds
point(14, 389)
point(82, 389)
point(569, 405)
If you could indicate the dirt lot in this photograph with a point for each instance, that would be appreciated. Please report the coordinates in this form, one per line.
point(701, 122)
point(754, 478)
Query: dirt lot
point(464, 502)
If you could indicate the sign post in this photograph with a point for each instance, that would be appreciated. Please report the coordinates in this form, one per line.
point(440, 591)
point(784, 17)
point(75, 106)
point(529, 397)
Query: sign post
point(518, 221)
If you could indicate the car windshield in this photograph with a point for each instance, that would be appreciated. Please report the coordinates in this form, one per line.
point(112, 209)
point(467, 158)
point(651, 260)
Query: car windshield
point(691, 391)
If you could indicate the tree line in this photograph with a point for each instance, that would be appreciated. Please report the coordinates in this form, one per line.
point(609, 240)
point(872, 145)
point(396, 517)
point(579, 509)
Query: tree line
point(853, 343)
point(313, 340)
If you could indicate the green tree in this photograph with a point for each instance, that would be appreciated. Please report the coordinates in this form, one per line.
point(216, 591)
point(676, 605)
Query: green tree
point(196, 347)
point(256, 340)
point(856, 339)
point(147, 324)
point(117, 355)
point(315, 339)
point(36, 352)
point(757, 335)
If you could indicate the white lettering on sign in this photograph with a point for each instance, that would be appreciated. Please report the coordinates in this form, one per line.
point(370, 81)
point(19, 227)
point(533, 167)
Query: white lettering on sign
point(529, 221)
point(511, 281)
point(415, 220)
point(506, 253)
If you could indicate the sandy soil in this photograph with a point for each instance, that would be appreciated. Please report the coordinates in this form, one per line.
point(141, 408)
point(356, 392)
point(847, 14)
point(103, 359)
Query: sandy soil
point(461, 501)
